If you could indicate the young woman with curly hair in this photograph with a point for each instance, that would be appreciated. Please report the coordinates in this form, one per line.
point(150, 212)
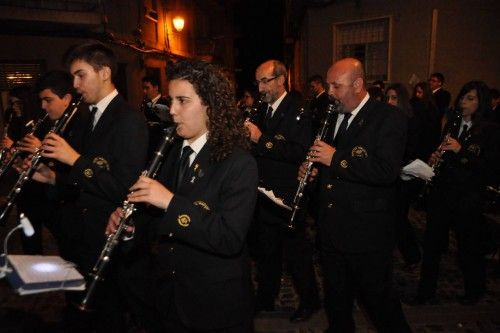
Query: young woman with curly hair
point(198, 278)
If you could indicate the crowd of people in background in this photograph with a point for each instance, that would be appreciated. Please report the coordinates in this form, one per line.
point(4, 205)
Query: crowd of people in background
point(222, 196)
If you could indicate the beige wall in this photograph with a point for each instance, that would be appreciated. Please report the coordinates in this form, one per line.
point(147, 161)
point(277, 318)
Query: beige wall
point(466, 42)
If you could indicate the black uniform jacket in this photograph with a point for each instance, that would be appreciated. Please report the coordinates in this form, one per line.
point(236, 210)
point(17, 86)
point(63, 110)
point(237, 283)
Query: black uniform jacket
point(202, 256)
point(357, 191)
point(442, 98)
point(282, 148)
point(475, 166)
point(112, 157)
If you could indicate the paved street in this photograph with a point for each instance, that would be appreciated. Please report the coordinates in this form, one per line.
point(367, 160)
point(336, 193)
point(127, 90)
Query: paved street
point(33, 313)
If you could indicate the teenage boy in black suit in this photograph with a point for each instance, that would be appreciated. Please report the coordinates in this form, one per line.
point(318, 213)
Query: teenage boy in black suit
point(102, 166)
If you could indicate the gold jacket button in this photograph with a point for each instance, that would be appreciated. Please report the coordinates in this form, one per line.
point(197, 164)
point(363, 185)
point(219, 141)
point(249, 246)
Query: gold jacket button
point(329, 186)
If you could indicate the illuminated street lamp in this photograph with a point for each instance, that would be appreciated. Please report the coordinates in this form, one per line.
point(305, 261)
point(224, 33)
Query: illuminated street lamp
point(178, 22)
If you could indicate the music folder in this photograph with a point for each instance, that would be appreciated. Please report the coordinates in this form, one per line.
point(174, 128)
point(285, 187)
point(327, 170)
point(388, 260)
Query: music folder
point(31, 274)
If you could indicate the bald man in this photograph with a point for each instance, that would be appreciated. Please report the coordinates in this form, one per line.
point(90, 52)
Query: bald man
point(358, 166)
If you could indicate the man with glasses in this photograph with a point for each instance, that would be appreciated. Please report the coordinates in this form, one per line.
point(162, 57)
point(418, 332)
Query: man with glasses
point(280, 145)
point(359, 166)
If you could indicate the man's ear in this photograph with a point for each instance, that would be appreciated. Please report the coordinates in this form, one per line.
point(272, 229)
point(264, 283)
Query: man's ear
point(358, 84)
point(105, 73)
point(281, 79)
point(67, 99)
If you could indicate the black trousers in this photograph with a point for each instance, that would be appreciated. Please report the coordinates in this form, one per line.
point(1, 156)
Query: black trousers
point(406, 237)
point(270, 242)
point(368, 278)
point(449, 210)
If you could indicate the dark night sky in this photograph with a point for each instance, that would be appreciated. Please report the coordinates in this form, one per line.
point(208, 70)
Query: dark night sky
point(259, 24)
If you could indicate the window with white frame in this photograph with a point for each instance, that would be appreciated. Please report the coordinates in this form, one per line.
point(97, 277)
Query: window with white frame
point(367, 41)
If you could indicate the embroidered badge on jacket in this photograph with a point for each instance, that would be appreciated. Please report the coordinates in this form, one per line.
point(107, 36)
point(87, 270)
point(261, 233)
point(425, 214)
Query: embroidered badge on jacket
point(184, 220)
point(359, 151)
point(101, 162)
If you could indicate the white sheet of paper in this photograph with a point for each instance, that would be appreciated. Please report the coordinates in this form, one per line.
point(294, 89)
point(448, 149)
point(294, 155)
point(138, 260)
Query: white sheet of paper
point(270, 195)
point(417, 168)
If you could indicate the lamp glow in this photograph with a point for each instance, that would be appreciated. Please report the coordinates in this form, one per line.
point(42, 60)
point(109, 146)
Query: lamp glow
point(178, 22)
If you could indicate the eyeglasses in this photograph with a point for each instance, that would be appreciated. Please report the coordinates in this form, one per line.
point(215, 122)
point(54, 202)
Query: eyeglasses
point(265, 80)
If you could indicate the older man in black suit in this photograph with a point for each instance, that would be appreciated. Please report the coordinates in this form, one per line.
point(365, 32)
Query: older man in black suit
point(280, 144)
point(358, 173)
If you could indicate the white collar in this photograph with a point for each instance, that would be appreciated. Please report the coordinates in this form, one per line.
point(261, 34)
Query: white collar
point(196, 146)
point(103, 104)
point(154, 100)
point(277, 102)
point(360, 105)
point(468, 123)
point(321, 93)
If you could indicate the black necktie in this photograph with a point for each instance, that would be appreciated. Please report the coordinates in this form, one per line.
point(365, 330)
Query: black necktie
point(93, 111)
point(462, 135)
point(183, 165)
point(342, 129)
point(269, 114)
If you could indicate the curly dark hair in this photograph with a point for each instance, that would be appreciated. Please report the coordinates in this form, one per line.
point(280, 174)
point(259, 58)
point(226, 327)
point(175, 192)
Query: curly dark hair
point(225, 125)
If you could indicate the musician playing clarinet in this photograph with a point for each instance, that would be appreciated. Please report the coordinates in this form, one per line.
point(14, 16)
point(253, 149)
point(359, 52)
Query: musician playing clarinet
point(358, 166)
point(469, 161)
point(280, 143)
point(100, 168)
point(56, 93)
point(197, 278)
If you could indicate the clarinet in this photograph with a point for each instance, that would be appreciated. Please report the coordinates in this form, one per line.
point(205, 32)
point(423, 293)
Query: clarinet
point(24, 176)
point(128, 209)
point(251, 113)
point(8, 163)
point(436, 167)
point(303, 181)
